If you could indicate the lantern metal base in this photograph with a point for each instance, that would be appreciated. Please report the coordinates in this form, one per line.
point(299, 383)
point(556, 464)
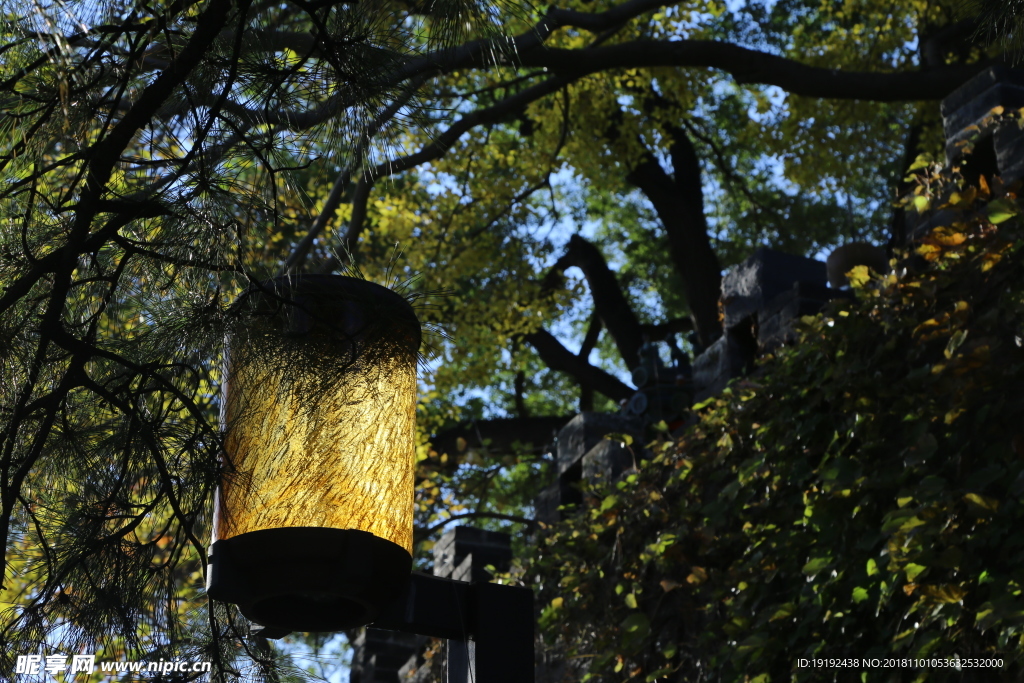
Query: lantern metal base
point(308, 578)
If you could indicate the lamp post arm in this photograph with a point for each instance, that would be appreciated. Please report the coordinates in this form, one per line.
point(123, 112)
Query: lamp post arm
point(497, 618)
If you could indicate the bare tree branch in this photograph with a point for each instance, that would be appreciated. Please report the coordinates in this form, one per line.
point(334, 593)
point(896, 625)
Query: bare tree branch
point(559, 358)
point(761, 68)
point(500, 433)
point(660, 331)
point(590, 338)
point(422, 534)
point(609, 302)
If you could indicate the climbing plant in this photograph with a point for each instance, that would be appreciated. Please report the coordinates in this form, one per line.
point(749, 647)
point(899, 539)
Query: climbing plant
point(860, 496)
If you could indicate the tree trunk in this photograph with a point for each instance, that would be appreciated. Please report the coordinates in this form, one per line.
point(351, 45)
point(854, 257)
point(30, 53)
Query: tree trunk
point(679, 202)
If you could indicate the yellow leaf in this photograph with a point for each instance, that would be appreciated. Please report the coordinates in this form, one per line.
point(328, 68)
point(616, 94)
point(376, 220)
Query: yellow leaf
point(859, 276)
point(913, 570)
point(929, 251)
point(989, 261)
point(947, 593)
point(983, 186)
point(949, 238)
point(698, 575)
point(982, 503)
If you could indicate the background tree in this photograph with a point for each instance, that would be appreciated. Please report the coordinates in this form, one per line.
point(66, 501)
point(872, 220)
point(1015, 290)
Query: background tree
point(160, 157)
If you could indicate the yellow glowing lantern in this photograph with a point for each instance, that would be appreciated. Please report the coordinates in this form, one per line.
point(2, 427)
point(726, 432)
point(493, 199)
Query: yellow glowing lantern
point(312, 522)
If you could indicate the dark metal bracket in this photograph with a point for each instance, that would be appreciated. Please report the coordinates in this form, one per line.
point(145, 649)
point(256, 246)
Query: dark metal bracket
point(491, 626)
point(496, 620)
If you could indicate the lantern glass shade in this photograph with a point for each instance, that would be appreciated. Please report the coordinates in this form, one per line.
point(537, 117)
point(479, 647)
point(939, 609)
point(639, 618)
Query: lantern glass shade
point(313, 516)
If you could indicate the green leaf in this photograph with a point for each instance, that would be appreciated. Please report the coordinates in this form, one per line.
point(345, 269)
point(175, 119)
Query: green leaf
point(637, 625)
point(913, 570)
point(999, 210)
point(816, 565)
point(922, 161)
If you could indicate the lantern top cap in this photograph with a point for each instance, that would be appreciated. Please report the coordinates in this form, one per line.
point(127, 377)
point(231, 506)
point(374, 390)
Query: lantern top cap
point(333, 301)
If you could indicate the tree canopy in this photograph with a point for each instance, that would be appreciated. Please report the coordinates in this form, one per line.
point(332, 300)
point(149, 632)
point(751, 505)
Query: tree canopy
point(158, 158)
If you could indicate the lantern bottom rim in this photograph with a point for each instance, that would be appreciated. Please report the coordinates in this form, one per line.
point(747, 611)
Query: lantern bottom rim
point(308, 578)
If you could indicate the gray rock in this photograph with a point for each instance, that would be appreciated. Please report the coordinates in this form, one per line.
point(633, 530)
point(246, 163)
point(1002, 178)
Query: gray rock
point(607, 461)
point(730, 356)
point(775, 321)
point(586, 430)
point(763, 276)
point(484, 547)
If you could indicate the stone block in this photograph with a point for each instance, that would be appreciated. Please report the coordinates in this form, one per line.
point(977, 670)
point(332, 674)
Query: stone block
point(730, 356)
point(378, 654)
point(421, 670)
point(775, 321)
point(586, 430)
point(921, 226)
point(661, 402)
point(545, 505)
point(1009, 148)
point(763, 276)
point(998, 85)
point(565, 490)
point(997, 149)
point(607, 461)
point(485, 547)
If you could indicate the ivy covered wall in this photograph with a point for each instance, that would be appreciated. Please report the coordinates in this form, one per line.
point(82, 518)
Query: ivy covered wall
point(861, 495)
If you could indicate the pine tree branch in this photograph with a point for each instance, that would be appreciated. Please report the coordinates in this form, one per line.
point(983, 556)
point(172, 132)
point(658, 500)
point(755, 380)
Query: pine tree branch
point(342, 183)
